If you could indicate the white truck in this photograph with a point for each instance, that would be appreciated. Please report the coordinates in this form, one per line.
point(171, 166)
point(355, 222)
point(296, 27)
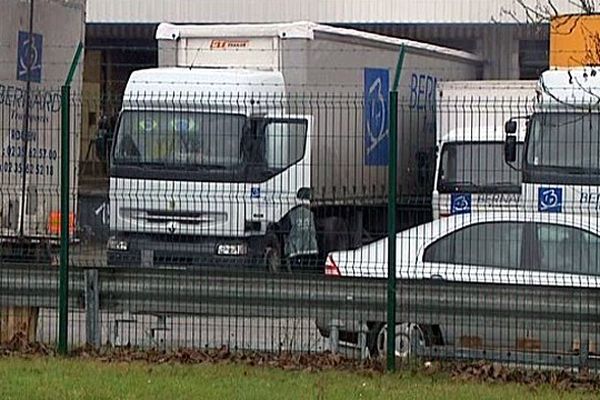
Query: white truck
point(561, 162)
point(290, 164)
point(30, 122)
point(471, 175)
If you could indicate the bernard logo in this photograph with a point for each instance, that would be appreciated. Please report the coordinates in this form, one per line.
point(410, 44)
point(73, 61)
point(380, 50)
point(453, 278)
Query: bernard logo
point(550, 199)
point(460, 203)
point(171, 227)
point(376, 119)
point(29, 57)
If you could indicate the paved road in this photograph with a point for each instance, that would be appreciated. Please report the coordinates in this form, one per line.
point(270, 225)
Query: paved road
point(264, 334)
point(88, 254)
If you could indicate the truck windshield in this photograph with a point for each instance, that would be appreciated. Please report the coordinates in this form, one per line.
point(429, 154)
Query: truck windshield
point(477, 167)
point(182, 139)
point(569, 142)
point(208, 146)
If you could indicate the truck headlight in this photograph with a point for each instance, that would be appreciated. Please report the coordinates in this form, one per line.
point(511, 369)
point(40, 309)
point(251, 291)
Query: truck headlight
point(117, 244)
point(238, 249)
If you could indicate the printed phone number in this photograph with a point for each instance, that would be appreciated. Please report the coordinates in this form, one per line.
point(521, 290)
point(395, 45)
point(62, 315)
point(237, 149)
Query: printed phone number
point(33, 152)
point(31, 169)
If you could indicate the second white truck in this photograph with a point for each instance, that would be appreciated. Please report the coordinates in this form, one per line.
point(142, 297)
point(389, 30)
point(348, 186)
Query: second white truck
point(471, 174)
point(561, 163)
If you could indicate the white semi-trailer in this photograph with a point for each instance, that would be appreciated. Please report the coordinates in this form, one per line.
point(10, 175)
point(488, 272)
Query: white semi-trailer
point(35, 57)
point(471, 174)
point(293, 122)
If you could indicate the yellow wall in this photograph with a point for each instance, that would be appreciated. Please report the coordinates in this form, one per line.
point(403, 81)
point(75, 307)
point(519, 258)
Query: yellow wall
point(575, 40)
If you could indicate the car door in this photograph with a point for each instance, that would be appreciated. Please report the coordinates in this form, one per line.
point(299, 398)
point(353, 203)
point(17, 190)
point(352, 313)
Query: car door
point(487, 252)
point(567, 256)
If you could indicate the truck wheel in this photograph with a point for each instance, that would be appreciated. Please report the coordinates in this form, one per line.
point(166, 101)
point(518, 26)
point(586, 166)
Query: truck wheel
point(405, 333)
point(273, 256)
point(335, 235)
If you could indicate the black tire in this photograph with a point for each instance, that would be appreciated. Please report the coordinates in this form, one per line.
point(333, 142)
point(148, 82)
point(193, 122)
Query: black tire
point(322, 327)
point(376, 339)
point(373, 336)
point(334, 235)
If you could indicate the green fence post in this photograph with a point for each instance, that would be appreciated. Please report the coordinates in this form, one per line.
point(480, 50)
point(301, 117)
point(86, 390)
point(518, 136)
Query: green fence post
point(65, 155)
point(392, 194)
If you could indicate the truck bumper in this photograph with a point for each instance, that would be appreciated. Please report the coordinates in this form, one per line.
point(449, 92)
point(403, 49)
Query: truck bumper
point(150, 251)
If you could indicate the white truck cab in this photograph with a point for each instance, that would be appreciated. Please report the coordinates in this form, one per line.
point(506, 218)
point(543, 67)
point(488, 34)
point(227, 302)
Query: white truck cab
point(471, 173)
point(561, 159)
point(196, 174)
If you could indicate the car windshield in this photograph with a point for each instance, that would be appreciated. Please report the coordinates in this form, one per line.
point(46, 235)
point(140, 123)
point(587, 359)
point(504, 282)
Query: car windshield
point(185, 139)
point(570, 141)
point(477, 167)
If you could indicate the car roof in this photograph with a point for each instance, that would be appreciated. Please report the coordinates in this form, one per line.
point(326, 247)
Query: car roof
point(442, 226)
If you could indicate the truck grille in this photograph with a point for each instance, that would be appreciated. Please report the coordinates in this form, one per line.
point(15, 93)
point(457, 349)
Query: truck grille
point(181, 217)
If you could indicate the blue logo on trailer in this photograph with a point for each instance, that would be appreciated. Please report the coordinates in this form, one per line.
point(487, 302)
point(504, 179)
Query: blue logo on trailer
point(550, 199)
point(460, 203)
point(255, 192)
point(376, 92)
point(27, 57)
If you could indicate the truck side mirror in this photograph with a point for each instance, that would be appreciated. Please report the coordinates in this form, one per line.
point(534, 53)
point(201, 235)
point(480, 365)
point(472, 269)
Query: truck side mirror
point(510, 127)
point(510, 149)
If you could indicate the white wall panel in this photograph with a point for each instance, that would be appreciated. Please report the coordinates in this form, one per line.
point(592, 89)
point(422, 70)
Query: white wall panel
point(214, 11)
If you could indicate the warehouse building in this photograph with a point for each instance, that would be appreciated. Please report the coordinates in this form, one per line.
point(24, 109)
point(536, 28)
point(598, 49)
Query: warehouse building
point(120, 33)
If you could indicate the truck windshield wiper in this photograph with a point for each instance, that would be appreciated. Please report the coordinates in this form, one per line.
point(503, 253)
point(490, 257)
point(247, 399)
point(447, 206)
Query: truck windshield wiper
point(582, 171)
point(560, 170)
point(461, 184)
point(130, 163)
point(208, 166)
point(503, 184)
point(269, 171)
point(171, 166)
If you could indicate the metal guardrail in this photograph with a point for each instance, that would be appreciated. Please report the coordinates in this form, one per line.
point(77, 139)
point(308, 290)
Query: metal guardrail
point(251, 294)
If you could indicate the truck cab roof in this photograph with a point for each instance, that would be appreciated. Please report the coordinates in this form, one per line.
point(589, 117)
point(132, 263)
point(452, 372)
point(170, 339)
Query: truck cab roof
point(482, 134)
point(186, 84)
point(573, 87)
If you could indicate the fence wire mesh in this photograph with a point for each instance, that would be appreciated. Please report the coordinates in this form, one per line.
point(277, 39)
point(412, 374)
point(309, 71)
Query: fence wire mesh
point(258, 221)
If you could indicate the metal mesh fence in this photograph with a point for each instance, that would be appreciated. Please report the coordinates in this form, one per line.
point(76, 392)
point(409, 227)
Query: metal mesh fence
point(259, 221)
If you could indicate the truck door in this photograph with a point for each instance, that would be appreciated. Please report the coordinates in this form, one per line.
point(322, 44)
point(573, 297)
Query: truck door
point(286, 182)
